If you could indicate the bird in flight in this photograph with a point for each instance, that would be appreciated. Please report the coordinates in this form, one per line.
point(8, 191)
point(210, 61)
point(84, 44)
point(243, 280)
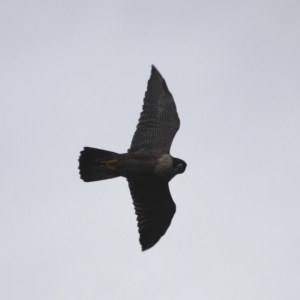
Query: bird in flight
point(148, 165)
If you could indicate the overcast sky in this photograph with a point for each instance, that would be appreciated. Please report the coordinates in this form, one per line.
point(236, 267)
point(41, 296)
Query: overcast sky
point(74, 73)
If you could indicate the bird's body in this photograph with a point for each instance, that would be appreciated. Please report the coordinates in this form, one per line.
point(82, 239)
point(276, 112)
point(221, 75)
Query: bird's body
point(148, 165)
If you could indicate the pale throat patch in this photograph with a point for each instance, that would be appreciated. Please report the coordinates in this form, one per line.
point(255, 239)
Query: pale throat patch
point(164, 168)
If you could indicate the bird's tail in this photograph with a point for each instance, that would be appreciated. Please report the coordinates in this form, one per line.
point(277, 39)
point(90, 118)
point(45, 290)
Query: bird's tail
point(96, 164)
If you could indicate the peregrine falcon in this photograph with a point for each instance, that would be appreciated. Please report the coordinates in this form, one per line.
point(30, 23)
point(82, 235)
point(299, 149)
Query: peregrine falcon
point(148, 165)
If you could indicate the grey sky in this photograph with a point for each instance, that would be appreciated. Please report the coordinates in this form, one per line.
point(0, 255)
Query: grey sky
point(74, 74)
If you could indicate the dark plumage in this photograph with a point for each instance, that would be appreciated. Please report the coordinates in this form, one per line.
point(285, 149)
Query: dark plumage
point(148, 165)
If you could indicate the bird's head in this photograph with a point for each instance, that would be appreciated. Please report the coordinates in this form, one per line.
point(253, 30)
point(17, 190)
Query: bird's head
point(179, 165)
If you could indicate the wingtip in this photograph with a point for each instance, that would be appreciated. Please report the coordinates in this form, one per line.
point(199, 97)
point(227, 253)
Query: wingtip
point(149, 246)
point(157, 74)
point(153, 67)
point(147, 243)
point(154, 70)
point(146, 248)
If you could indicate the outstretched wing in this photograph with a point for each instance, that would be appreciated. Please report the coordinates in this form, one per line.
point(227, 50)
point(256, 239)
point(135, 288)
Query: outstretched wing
point(159, 120)
point(154, 208)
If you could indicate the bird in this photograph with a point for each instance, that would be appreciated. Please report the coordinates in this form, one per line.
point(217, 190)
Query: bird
point(148, 165)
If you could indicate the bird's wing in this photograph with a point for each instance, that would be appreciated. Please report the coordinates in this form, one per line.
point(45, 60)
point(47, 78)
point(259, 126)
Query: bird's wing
point(159, 120)
point(154, 208)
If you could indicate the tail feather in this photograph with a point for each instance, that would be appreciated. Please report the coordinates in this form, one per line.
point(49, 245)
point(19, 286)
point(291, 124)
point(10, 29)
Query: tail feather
point(96, 164)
